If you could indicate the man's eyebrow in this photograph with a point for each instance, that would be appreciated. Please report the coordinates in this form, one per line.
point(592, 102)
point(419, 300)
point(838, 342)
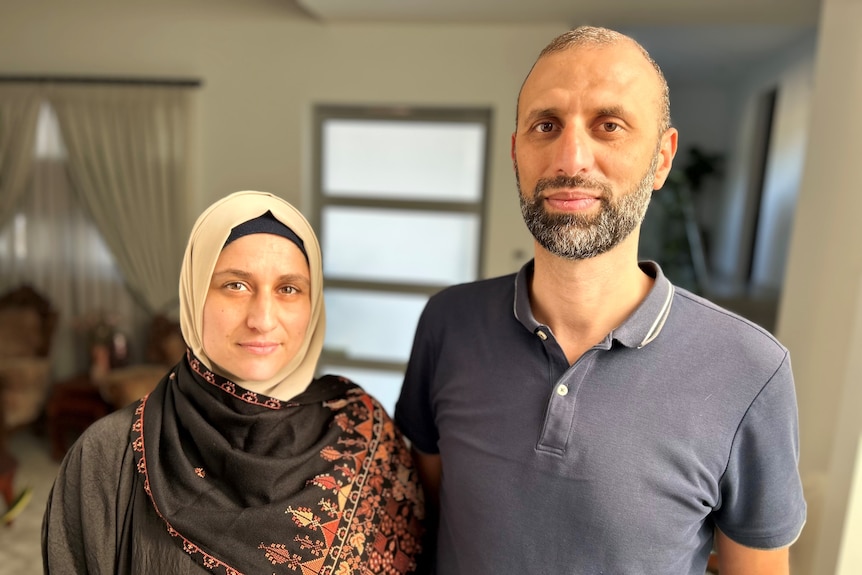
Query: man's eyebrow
point(617, 111)
point(541, 113)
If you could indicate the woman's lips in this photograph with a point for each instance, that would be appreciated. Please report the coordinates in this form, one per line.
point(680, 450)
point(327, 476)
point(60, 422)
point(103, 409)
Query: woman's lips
point(259, 348)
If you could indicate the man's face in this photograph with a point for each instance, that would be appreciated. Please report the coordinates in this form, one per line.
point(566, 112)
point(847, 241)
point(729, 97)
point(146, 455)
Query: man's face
point(587, 150)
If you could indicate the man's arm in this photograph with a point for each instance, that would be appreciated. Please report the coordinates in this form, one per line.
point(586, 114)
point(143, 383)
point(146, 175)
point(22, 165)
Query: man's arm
point(737, 559)
point(430, 469)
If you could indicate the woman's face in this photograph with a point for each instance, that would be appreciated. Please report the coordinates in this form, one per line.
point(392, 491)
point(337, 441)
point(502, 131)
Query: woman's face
point(258, 306)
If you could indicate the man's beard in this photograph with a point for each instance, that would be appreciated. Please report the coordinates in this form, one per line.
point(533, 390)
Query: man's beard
point(581, 236)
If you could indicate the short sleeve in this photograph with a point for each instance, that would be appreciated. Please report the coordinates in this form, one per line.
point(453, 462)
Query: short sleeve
point(762, 503)
point(414, 413)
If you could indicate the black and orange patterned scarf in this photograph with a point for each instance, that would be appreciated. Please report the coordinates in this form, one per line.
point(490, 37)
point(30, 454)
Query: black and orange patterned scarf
point(248, 484)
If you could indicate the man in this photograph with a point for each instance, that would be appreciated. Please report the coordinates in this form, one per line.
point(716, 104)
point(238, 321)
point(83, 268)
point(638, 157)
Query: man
point(584, 416)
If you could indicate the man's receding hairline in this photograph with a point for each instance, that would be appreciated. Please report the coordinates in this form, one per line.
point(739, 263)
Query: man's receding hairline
point(598, 37)
point(586, 36)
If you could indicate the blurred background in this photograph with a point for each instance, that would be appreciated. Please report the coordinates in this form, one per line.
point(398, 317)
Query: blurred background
point(388, 123)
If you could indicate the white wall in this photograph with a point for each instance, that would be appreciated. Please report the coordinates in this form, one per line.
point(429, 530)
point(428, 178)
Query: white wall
point(783, 175)
point(264, 69)
point(820, 318)
point(789, 70)
point(850, 552)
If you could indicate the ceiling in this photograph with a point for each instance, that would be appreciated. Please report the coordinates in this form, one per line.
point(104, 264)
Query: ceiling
point(571, 12)
point(691, 39)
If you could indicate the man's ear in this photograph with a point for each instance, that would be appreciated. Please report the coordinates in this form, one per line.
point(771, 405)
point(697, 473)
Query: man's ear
point(667, 151)
point(512, 151)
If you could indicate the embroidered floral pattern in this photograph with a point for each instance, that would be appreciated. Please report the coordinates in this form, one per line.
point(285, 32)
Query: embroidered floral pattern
point(361, 533)
point(231, 388)
point(361, 516)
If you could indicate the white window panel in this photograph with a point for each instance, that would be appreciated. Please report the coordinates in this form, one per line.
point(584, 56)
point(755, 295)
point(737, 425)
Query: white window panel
point(412, 160)
point(371, 325)
point(409, 246)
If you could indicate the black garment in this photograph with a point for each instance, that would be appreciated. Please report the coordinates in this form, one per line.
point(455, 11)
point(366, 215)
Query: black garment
point(218, 478)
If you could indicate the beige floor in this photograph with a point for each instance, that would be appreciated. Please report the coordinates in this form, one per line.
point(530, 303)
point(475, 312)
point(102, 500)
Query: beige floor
point(20, 551)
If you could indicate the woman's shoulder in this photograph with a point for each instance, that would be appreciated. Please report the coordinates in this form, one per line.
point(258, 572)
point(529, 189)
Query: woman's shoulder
point(325, 388)
point(108, 438)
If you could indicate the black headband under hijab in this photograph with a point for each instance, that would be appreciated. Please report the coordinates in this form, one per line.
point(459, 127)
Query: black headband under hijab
point(266, 224)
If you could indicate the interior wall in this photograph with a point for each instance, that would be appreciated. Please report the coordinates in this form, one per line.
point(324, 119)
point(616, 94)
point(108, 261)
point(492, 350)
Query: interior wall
point(783, 177)
point(820, 318)
point(264, 68)
point(790, 71)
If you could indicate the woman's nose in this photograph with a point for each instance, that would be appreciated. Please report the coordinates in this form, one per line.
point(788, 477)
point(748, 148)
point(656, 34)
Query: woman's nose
point(261, 313)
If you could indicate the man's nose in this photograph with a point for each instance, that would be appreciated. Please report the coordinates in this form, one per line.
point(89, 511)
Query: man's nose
point(573, 151)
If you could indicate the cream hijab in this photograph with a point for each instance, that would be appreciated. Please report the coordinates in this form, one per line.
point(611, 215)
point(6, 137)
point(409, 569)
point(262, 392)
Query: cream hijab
point(205, 244)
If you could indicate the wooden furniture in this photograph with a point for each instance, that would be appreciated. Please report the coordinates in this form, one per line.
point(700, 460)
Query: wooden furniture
point(27, 324)
point(25, 297)
point(124, 385)
point(8, 466)
point(77, 402)
point(73, 406)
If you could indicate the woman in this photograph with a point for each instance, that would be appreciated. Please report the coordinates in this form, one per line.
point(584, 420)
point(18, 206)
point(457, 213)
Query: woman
point(240, 461)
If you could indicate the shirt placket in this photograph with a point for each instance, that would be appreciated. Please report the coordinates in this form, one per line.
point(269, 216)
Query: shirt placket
point(565, 381)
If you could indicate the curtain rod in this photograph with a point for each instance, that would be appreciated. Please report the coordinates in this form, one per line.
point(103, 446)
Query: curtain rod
point(178, 82)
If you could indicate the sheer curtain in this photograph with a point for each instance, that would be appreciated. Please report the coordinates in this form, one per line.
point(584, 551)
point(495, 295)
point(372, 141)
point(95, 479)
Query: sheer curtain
point(102, 230)
point(127, 158)
point(19, 105)
point(51, 244)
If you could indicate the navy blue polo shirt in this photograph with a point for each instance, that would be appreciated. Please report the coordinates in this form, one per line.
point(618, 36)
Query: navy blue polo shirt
point(681, 419)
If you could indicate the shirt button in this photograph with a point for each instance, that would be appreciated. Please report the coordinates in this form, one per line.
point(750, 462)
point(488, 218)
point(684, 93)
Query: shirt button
point(562, 390)
point(542, 335)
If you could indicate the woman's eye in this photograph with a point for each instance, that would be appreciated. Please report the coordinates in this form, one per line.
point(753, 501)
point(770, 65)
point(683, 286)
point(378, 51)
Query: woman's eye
point(289, 290)
point(235, 286)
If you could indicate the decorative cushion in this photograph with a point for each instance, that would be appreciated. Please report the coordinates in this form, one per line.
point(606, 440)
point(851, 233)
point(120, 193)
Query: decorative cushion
point(120, 387)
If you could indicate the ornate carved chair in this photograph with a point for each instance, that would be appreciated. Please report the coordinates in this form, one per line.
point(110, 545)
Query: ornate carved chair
point(77, 402)
point(27, 325)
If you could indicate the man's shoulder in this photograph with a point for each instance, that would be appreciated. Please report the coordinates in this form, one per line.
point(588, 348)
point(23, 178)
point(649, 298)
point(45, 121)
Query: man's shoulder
point(479, 290)
point(726, 327)
point(474, 305)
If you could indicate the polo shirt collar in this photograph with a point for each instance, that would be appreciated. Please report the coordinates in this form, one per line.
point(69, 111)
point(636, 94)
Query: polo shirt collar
point(639, 329)
point(649, 318)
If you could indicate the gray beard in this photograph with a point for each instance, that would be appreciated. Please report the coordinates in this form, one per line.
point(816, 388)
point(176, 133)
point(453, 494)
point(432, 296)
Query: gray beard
point(582, 236)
